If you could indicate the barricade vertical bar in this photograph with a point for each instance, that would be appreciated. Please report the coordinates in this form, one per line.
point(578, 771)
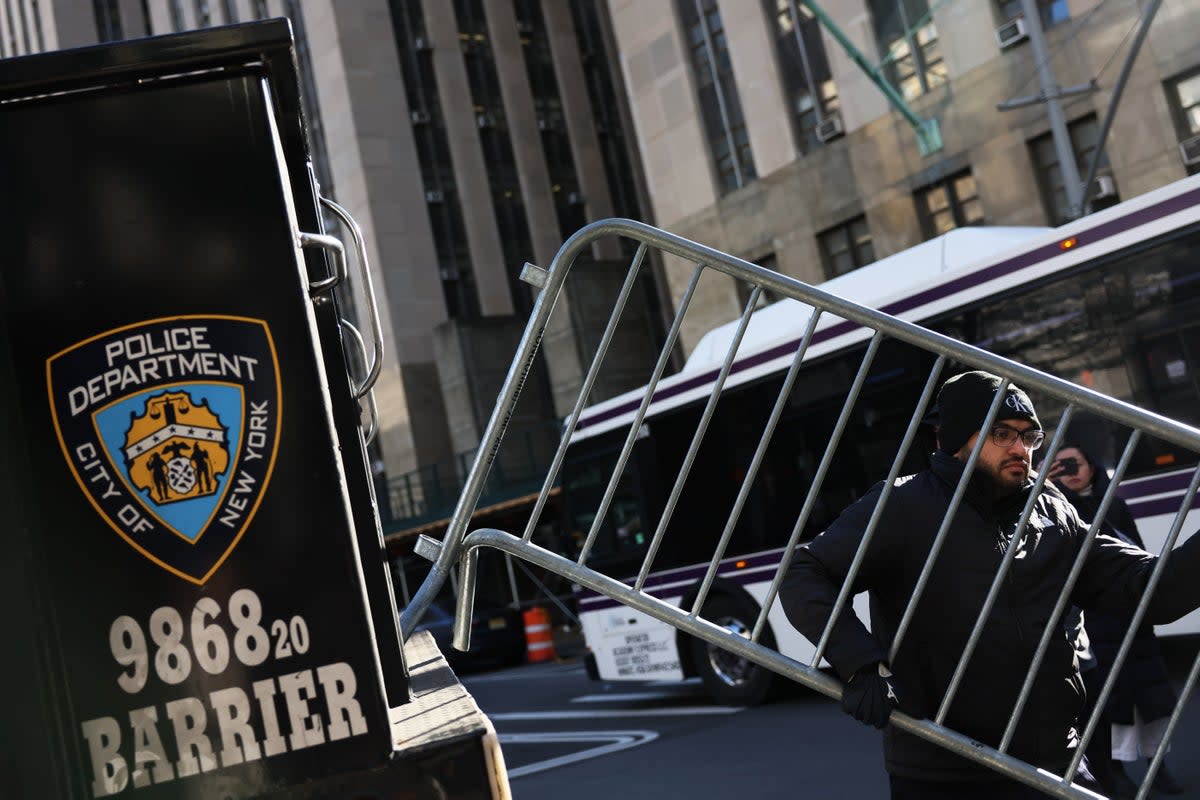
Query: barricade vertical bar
point(1140, 612)
point(846, 590)
point(697, 439)
point(588, 381)
point(751, 473)
point(512, 581)
point(935, 549)
point(465, 605)
point(789, 549)
point(663, 358)
point(839, 427)
point(1010, 553)
point(1069, 586)
point(1188, 687)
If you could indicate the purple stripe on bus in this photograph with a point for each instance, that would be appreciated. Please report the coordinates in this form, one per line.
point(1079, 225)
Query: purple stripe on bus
point(1163, 505)
point(1175, 482)
point(1100, 232)
point(687, 576)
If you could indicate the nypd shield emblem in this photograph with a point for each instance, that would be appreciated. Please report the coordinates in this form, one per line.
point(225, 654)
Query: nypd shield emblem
point(171, 427)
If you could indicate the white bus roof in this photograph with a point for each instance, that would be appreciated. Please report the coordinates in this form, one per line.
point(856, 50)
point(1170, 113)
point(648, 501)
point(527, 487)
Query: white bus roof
point(938, 276)
point(872, 286)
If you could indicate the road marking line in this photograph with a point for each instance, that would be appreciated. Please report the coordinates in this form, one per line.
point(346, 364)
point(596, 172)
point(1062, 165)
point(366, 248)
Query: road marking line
point(617, 740)
point(671, 682)
point(628, 696)
point(525, 673)
point(686, 711)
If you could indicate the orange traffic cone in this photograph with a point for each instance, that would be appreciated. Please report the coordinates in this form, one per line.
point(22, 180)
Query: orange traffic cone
point(539, 642)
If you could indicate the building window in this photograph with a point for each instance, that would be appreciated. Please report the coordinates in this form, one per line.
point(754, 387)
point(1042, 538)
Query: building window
point(260, 9)
point(846, 247)
point(444, 205)
point(230, 7)
point(1183, 96)
point(547, 106)
point(948, 204)
point(203, 15)
point(766, 296)
point(108, 20)
point(602, 85)
point(908, 40)
point(1052, 12)
point(1084, 134)
point(803, 65)
point(496, 143)
point(720, 107)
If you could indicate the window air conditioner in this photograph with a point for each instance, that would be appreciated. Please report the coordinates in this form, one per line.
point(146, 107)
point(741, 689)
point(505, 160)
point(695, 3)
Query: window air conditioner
point(543, 124)
point(1106, 187)
point(434, 196)
point(1190, 150)
point(830, 127)
point(485, 121)
point(419, 117)
point(1011, 32)
point(422, 43)
point(575, 198)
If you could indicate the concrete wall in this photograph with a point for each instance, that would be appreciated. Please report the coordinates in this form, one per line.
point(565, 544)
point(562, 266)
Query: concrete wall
point(670, 136)
point(752, 53)
point(374, 165)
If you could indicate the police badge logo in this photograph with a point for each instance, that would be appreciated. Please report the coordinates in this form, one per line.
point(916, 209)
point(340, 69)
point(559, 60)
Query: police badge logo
point(171, 427)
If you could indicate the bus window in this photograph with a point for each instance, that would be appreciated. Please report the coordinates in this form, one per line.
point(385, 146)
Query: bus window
point(622, 538)
point(1170, 364)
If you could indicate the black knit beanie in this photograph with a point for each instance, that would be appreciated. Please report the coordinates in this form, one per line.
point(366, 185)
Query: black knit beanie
point(963, 403)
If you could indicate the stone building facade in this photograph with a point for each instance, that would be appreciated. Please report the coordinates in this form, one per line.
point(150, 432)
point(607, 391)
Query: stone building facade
point(711, 78)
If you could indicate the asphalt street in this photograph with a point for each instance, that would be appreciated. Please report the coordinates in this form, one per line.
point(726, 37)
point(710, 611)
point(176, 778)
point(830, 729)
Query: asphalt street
point(564, 735)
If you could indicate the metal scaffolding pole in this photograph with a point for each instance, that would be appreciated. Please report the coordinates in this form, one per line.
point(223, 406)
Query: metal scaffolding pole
point(929, 135)
point(1118, 88)
point(1058, 124)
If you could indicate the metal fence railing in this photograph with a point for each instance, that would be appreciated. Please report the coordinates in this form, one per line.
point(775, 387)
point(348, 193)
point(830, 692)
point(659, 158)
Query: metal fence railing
point(459, 549)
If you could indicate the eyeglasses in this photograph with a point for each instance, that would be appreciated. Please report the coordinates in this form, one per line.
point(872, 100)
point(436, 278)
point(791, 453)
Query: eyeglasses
point(1004, 436)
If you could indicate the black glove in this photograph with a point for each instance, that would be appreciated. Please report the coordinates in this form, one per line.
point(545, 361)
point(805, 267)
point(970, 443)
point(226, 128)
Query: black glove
point(871, 694)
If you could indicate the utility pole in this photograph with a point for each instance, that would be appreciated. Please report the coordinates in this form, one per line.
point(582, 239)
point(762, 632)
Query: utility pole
point(1118, 88)
point(1050, 94)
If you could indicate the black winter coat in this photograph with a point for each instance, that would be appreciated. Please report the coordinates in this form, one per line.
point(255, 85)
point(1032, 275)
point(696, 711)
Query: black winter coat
point(1143, 682)
point(1112, 579)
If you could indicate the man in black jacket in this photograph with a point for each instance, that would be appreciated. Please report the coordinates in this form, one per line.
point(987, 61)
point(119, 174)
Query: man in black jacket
point(917, 679)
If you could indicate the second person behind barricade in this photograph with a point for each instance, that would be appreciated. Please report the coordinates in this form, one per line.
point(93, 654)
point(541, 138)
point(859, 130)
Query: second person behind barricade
point(941, 627)
point(1135, 717)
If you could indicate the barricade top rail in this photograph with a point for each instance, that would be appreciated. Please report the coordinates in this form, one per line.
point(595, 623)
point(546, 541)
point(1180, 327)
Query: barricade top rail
point(459, 549)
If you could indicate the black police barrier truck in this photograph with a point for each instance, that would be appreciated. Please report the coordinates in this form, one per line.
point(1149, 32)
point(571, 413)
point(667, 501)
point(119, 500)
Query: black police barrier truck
point(193, 596)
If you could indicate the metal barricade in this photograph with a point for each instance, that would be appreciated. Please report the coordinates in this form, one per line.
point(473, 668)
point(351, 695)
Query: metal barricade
point(458, 548)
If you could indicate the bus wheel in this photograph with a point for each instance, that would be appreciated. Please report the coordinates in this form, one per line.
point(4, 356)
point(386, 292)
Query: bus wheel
point(728, 678)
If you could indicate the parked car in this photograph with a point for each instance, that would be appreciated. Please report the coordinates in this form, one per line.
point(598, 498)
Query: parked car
point(497, 636)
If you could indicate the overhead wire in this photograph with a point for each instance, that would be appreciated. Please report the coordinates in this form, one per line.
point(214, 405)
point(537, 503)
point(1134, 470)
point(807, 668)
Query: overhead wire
point(1120, 46)
point(1050, 54)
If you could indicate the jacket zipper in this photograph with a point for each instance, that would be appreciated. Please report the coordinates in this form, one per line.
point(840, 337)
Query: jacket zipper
point(1012, 588)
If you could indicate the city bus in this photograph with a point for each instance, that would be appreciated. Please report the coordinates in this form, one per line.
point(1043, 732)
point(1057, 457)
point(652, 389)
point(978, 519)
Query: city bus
point(1111, 302)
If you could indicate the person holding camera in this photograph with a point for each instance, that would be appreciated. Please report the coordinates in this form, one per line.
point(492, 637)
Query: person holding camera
point(1135, 717)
